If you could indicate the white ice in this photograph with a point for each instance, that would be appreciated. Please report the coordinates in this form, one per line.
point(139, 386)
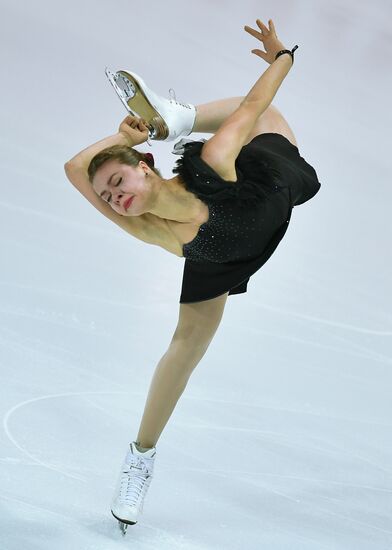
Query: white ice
point(282, 438)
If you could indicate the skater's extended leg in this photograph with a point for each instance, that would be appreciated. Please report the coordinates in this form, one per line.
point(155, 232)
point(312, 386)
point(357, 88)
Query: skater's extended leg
point(196, 327)
point(170, 119)
point(168, 383)
point(210, 116)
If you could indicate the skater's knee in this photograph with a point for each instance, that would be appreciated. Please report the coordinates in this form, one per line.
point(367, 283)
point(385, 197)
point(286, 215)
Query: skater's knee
point(198, 323)
point(189, 349)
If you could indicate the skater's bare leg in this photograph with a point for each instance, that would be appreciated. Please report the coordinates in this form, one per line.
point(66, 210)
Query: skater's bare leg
point(196, 327)
point(168, 383)
point(210, 116)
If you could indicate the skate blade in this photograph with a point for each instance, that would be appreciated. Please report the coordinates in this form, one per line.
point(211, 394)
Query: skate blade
point(122, 94)
point(123, 527)
point(123, 524)
point(130, 91)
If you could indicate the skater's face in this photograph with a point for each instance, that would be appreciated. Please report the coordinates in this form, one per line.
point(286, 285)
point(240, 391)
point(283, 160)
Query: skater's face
point(116, 183)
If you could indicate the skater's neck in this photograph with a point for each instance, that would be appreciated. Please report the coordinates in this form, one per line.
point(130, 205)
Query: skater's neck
point(174, 202)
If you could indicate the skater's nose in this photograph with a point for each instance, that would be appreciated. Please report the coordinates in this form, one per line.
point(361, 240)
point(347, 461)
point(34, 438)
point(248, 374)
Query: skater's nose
point(117, 196)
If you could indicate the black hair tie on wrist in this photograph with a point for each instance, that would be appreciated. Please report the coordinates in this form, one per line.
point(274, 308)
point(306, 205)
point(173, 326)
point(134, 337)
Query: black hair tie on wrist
point(287, 51)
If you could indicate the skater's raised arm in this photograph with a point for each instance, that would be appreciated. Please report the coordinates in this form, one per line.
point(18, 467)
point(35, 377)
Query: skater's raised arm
point(132, 131)
point(223, 148)
point(142, 227)
point(263, 92)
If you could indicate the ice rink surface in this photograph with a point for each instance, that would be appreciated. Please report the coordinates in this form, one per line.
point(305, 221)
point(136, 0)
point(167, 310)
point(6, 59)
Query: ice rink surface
point(282, 438)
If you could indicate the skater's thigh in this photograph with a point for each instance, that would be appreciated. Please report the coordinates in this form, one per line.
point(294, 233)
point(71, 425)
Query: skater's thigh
point(273, 121)
point(198, 321)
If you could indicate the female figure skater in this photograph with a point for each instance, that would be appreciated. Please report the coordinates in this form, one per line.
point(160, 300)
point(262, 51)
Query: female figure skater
point(225, 212)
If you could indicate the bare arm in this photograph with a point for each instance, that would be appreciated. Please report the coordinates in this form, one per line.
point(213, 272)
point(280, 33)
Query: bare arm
point(263, 92)
point(143, 227)
point(222, 149)
point(83, 159)
point(76, 172)
point(132, 131)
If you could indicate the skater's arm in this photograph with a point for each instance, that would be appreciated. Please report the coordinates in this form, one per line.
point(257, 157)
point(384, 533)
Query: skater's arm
point(222, 149)
point(225, 145)
point(83, 159)
point(263, 92)
point(132, 131)
point(144, 227)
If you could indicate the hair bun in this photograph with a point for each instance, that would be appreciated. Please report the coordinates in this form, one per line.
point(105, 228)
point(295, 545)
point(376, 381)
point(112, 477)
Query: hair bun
point(150, 158)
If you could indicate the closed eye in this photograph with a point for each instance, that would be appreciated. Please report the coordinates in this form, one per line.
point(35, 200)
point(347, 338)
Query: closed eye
point(110, 195)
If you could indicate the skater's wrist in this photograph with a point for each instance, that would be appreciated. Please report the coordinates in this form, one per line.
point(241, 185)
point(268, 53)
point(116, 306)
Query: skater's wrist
point(134, 129)
point(126, 139)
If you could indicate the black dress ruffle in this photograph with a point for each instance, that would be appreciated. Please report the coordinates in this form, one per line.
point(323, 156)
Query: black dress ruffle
point(248, 217)
point(208, 186)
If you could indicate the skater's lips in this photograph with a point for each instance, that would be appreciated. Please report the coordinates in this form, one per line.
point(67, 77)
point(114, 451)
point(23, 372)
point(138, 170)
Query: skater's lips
point(127, 202)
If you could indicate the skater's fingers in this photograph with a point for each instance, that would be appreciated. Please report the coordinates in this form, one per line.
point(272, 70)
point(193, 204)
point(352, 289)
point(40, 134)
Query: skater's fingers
point(135, 129)
point(260, 54)
point(134, 123)
point(254, 33)
point(129, 119)
point(263, 28)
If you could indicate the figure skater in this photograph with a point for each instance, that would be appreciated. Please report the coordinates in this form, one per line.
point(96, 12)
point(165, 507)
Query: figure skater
point(225, 212)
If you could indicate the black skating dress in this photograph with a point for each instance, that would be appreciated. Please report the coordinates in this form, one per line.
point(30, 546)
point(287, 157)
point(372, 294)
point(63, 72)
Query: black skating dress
point(247, 218)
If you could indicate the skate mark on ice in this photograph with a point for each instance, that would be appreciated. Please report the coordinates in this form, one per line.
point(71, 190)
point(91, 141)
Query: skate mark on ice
point(8, 415)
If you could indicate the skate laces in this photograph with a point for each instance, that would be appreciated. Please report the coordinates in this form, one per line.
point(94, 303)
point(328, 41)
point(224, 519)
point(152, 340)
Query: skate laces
point(133, 481)
point(173, 99)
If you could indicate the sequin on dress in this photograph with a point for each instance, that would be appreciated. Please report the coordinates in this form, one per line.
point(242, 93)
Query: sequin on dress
point(247, 218)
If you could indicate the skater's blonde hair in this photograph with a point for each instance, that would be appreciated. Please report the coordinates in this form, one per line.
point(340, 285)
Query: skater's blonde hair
point(124, 154)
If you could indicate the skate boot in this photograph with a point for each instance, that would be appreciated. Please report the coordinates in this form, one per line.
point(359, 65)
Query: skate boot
point(133, 482)
point(167, 119)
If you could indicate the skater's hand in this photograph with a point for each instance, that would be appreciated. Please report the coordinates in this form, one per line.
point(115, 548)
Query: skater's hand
point(134, 129)
point(269, 39)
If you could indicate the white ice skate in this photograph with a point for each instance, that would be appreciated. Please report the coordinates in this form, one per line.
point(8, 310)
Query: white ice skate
point(167, 119)
point(133, 482)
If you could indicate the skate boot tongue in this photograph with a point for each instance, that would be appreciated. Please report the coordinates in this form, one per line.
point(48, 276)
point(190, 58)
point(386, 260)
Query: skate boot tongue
point(146, 454)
